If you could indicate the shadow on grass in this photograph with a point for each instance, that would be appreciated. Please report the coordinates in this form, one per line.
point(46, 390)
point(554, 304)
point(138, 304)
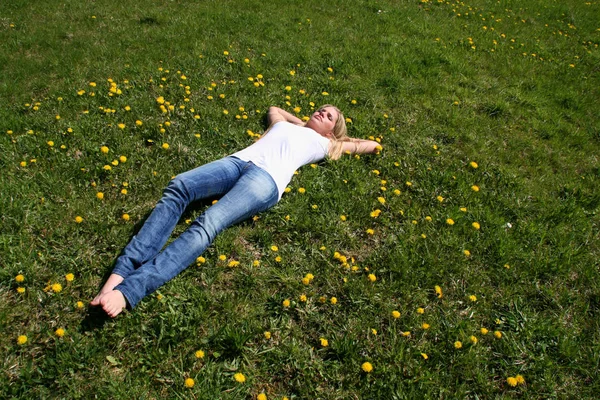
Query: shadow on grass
point(95, 318)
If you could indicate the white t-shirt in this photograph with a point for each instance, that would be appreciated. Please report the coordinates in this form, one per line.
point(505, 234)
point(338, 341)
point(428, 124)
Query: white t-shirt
point(284, 149)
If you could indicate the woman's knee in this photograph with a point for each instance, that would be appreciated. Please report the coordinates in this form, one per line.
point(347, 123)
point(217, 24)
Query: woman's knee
point(177, 190)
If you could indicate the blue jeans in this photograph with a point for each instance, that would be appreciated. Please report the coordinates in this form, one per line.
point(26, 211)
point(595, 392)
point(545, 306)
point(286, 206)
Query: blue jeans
point(245, 189)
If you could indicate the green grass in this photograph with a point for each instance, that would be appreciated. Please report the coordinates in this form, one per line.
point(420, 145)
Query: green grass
point(513, 87)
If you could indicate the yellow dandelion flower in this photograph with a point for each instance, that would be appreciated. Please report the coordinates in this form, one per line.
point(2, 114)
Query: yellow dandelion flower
point(512, 381)
point(425, 356)
point(440, 198)
point(189, 383)
point(324, 342)
point(60, 332)
point(520, 379)
point(450, 221)
point(21, 290)
point(239, 377)
point(104, 149)
point(425, 325)
point(333, 300)
point(199, 354)
point(222, 257)
point(22, 339)
point(473, 339)
point(303, 298)
point(121, 126)
point(123, 159)
point(370, 231)
point(79, 305)
point(261, 396)
point(278, 259)
point(372, 277)
point(476, 225)
point(408, 183)
point(375, 213)
point(498, 335)
point(100, 195)
point(200, 260)
point(56, 287)
point(367, 367)
point(165, 146)
point(233, 263)
point(125, 217)
point(19, 278)
point(475, 188)
point(420, 310)
point(473, 298)
point(438, 291)
point(381, 200)
point(285, 303)
point(473, 164)
point(78, 219)
point(457, 344)
point(301, 190)
point(483, 331)
point(396, 314)
point(69, 277)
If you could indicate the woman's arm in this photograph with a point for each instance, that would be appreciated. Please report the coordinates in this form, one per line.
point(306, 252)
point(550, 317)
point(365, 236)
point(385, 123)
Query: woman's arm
point(277, 114)
point(360, 146)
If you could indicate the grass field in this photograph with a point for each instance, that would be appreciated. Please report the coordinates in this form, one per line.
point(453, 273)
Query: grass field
point(460, 262)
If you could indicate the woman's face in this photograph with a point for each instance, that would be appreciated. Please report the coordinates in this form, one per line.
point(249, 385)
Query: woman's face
point(323, 121)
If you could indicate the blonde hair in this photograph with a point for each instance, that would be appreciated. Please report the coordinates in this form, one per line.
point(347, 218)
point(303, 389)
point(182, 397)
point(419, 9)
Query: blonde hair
point(340, 134)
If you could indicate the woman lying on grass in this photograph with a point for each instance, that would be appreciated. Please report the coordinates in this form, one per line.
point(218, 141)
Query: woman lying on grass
point(247, 182)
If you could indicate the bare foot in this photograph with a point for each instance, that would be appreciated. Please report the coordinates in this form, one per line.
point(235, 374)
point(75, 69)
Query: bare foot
point(113, 303)
point(112, 281)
